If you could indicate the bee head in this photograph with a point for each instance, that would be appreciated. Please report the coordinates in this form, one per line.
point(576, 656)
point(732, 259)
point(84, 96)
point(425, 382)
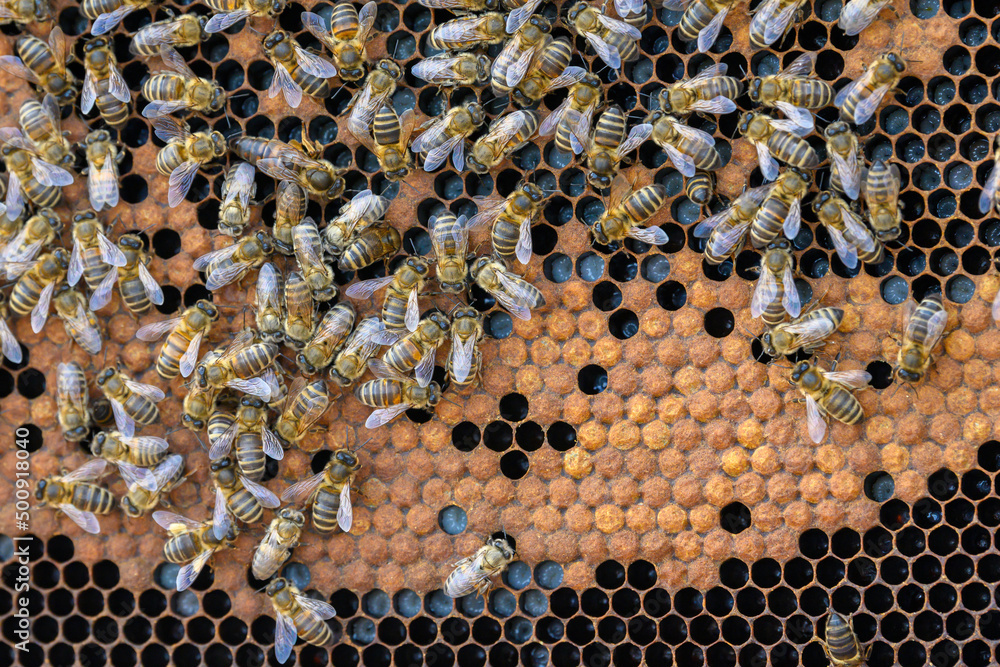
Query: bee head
point(598, 231)
point(885, 235)
point(129, 508)
point(97, 446)
point(276, 587)
point(801, 369)
point(347, 458)
point(504, 547)
point(575, 11)
point(304, 364)
point(190, 422)
point(391, 68)
point(590, 80)
point(441, 320)
point(745, 121)
point(540, 22)
point(535, 193)
point(275, 38)
point(433, 394)
point(221, 464)
point(208, 308)
point(264, 239)
point(418, 264)
point(835, 128)
point(483, 68)
point(754, 90)
point(896, 60)
point(105, 375)
point(821, 200)
point(130, 242)
point(40, 490)
point(476, 112)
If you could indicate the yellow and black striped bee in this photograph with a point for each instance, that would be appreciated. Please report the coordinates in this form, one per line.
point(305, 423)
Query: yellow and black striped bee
point(363, 211)
point(776, 293)
point(880, 187)
point(330, 335)
point(773, 19)
point(300, 311)
point(859, 100)
point(131, 455)
point(237, 190)
point(369, 246)
point(465, 359)
point(842, 645)
point(231, 263)
point(847, 162)
point(511, 291)
point(78, 320)
point(393, 394)
point(781, 211)
point(25, 12)
point(103, 83)
point(174, 31)
point(828, 393)
point(33, 291)
point(138, 289)
point(450, 240)
point(185, 333)
point(304, 404)
point(230, 12)
point(777, 140)
point(309, 255)
point(71, 399)
point(925, 325)
point(726, 231)
point(180, 89)
point(689, 149)
point(297, 615)
point(794, 91)
point(389, 141)
point(571, 120)
point(446, 136)
point(549, 71)
point(254, 440)
point(328, 492)
point(449, 70)
point(199, 403)
point(184, 154)
point(475, 573)
point(268, 306)
point(506, 135)
point(510, 219)
point(295, 163)
point(102, 414)
point(352, 360)
point(627, 209)
point(607, 146)
point(296, 71)
point(710, 91)
point(28, 175)
point(400, 310)
point(462, 7)
point(415, 351)
point(469, 32)
point(236, 494)
point(191, 544)
point(290, 210)
point(807, 333)
point(614, 41)
point(282, 536)
point(702, 20)
point(374, 94)
point(858, 15)
point(852, 240)
point(37, 233)
point(42, 124)
point(166, 476)
point(43, 64)
point(347, 37)
point(700, 188)
point(103, 157)
point(239, 366)
point(132, 402)
point(76, 496)
point(516, 58)
point(106, 14)
point(94, 255)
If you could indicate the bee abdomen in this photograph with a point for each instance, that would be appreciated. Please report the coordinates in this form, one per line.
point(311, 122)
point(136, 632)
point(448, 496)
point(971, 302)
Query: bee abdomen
point(325, 509)
point(180, 549)
point(610, 128)
point(142, 410)
point(842, 405)
point(386, 126)
point(696, 17)
point(250, 456)
point(793, 150)
point(811, 93)
point(312, 629)
point(344, 21)
point(768, 222)
point(134, 296)
point(645, 202)
point(163, 87)
point(245, 507)
point(92, 498)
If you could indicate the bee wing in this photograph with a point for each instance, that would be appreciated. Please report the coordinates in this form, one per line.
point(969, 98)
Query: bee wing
point(174, 61)
point(365, 288)
point(727, 239)
point(793, 220)
point(117, 86)
point(107, 21)
point(8, 343)
point(125, 423)
point(580, 128)
point(153, 291)
point(40, 313)
point(462, 350)
point(458, 155)
point(681, 161)
point(366, 21)
point(282, 82)
point(202, 262)
point(225, 275)
point(465, 578)
point(636, 136)
point(432, 134)
point(434, 70)
point(154, 394)
point(285, 635)
point(16, 67)
point(383, 416)
point(812, 331)
point(345, 513)
point(424, 370)
point(380, 369)
point(710, 33)
point(627, 7)
point(490, 209)
point(189, 572)
point(866, 107)
point(271, 445)
point(180, 182)
point(168, 129)
point(167, 520)
point(800, 121)
point(847, 90)
point(458, 234)
point(267, 286)
point(814, 420)
point(858, 15)
point(569, 76)
point(935, 329)
point(606, 52)
point(220, 22)
point(308, 254)
point(88, 336)
point(766, 290)
point(768, 165)
point(439, 154)
point(523, 248)
point(263, 495)
point(89, 471)
point(300, 491)
point(849, 173)
point(518, 296)
point(704, 228)
point(619, 27)
point(88, 95)
point(134, 476)
point(102, 184)
point(506, 128)
point(190, 357)
point(412, 317)
point(317, 27)
point(852, 379)
point(220, 515)
point(276, 169)
point(519, 16)
point(717, 105)
point(253, 386)
point(324, 610)
point(15, 197)
point(158, 108)
point(146, 444)
point(515, 73)
point(315, 65)
point(49, 174)
point(407, 121)
point(157, 330)
point(649, 235)
point(85, 520)
point(710, 72)
point(780, 21)
point(801, 66)
point(790, 298)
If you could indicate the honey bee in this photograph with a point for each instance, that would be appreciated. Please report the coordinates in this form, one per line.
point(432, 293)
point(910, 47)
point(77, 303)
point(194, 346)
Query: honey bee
point(174, 31)
point(79, 322)
point(548, 72)
point(607, 146)
point(28, 175)
point(38, 231)
point(184, 154)
point(925, 325)
point(446, 136)
point(308, 252)
point(268, 305)
point(776, 293)
point(369, 246)
point(103, 416)
point(42, 124)
point(296, 71)
point(74, 494)
point(794, 91)
point(290, 210)
point(138, 289)
point(465, 359)
point(300, 311)
point(613, 41)
point(450, 240)
point(185, 332)
point(516, 57)
point(305, 404)
point(726, 231)
point(777, 140)
point(236, 494)
point(851, 239)
point(166, 477)
point(237, 189)
point(331, 333)
point(231, 263)
point(239, 365)
point(448, 70)
point(132, 455)
point(389, 141)
point(347, 37)
point(807, 333)
point(710, 91)
point(842, 645)
point(702, 21)
point(474, 574)
point(43, 64)
point(198, 406)
point(462, 7)
point(374, 94)
point(231, 12)
point(297, 615)
point(828, 393)
point(627, 209)
point(352, 360)
point(295, 163)
point(415, 351)
point(781, 211)
point(94, 255)
point(132, 402)
point(571, 120)
point(253, 439)
point(510, 219)
point(846, 159)
point(855, 17)
point(773, 19)
point(393, 394)
point(328, 492)
point(689, 149)
point(25, 12)
point(33, 291)
point(511, 291)
point(180, 89)
point(880, 187)
point(400, 310)
point(103, 83)
point(71, 398)
point(859, 100)
point(191, 543)
point(506, 135)
point(103, 157)
point(282, 536)
point(106, 14)
point(468, 32)
point(364, 210)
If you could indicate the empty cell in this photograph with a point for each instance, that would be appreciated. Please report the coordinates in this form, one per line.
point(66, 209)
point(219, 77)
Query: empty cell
point(881, 373)
point(498, 436)
point(671, 295)
point(623, 324)
point(957, 60)
point(592, 379)
point(514, 465)
point(926, 119)
point(976, 261)
point(944, 261)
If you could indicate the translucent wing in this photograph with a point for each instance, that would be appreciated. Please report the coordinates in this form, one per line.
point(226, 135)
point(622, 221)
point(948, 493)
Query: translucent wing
point(519, 16)
point(152, 288)
point(49, 174)
point(102, 184)
point(169, 129)
point(935, 329)
point(458, 155)
point(814, 420)
point(154, 394)
point(89, 93)
point(780, 21)
point(462, 350)
point(85, 520)
point(811, 331)
point(725, 239)
point(320, 608)
point(412, 317)
point(158, 108)
point(220, 22)
point(763, 295)
point(523, 248)
point(125, 423)
point(168, 520)
point(220, 515)
point(569, 76)
point(432, 135)
point(606, 52)
point(300, 491)
point(636, 136)
point(317, 26)
point(852, 379)
point(180, 182)
point(87, 335)
point(190, 357)
point(222, 276)
point(801, 66)
point(189, 572)
point(434, 70)
point(649, 235)
point(264, 496)
point(365, 288)
point(15, 66)
point(267, 286)
point(800, 121)
point(146, 444)
point(89, 471)
point(858, 15)
point(423, 371)
point(383, 416)
point(271, 445)
point(793, 220)
point(466, 578)
point(202, 262)
point(117, 86)
point(710, 33)
point(282, 82)
point(490, 209)
point(8, 343)
point(866, 107)
point(15, 197)
point(681, 161)
point(254, 386)
point(505, 129)
point(174, 61)
point(704, 228)
point(768, 165)
point(849, 90)
point(790, 297)
point(996, 308)
point(515, 299)
point(106, 22)
point(136, 476)
point(157, 330)
point(40, 313)
point(345, 513)
point(515, 73)
point(619, 27)
point(366, 20)
point(284, 636)
point(314, 65)
point(849, 173)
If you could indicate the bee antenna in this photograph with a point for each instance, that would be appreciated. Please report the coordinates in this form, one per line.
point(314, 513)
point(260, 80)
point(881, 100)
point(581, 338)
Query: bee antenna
point(362, 445)
point(407, 185)
point(445, 398)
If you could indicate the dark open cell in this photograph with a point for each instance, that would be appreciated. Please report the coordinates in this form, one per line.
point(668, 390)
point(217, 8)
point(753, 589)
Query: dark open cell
point(592, 379)
point(957, 60)
point(623, 324)
point(719, 323)
point(514, 465)
point(973, 89)
point(465, 436)
point(944, 261)
point(31, 383)
point(513, 407)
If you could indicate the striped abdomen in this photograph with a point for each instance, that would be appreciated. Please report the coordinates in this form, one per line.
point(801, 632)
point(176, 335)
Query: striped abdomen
point(134, 295)
point(381, 393)
point(774, 314)
point(841, 404)
point(250, 455)
point(310, 627)
point(245, 507)
point(385, 127)
point(325, 508)
point(628, 48)
point(170, 157)
point(311, 85)
point(92, 498)
point(644, 202)
point(696, 17)
point(176, 345)
point(181, 548)
point(26, 293)
point(810, 93)
point(141, 409)
point(369, 246)
point(610, 128)
point(344, 21)
point(42, 196)
point(113, 111)
point(394, 308)
point(767, 224)
point(842, 643)
point(792, 149)
point(164, 86)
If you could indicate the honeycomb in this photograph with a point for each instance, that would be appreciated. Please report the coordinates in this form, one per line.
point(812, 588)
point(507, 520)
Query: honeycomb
point(665, 500)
